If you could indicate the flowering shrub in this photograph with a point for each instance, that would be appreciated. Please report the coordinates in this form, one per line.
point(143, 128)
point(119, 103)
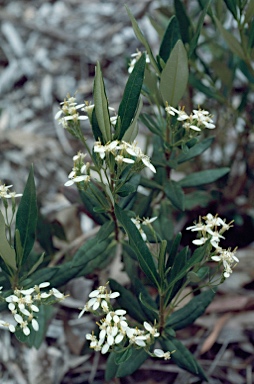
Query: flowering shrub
point(134, 195)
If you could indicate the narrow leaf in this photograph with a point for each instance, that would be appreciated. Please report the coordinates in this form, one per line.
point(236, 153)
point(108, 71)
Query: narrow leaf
point(194, 40)
point(101, 105)
point(183, 357)
point(174, 77)
point(26, 219)
point(171, 36)
point(128, 301)
point(138, 357)
point(230, 39)
point(191, 311)
point(203, 177)
point(142, 39)
point(132, 131)
point(196, 150)
point(183, 20)
point(175, 194)
point(129, 103)
point(231, 4)
point(6, 251)
point(143, 254)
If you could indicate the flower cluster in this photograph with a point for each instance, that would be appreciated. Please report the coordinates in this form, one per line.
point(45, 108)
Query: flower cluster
point(197, 120)
point(70, 111)
point(5, 193)
point(79, 170)
point(146, 221)
point(122, 151)
point(211, 230)
point(135, 57)
point(23, 304)
point(114, 329)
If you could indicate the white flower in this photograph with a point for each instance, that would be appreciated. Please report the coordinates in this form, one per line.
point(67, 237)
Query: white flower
point(11, 327)
point(152, 330)
point(23, 324)
point(200, 241)
point(120, 159)
point(161, 354)
point(228, 259)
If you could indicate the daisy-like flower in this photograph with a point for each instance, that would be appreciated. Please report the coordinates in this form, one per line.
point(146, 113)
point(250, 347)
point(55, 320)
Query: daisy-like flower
point(161, 354)
point(227, 258)
point(103, 149)
point(23, 304)
point(120, 159)
point(99, 298)
point(5, 324)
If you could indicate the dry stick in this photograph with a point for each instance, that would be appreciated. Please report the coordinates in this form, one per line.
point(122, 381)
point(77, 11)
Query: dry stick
point(74, 244)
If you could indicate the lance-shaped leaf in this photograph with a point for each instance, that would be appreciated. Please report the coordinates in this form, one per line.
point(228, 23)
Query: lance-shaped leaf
point(128, 301)
point(203, 177)
point(191, 311)
point(26, 219)
point(232, 6)
point(174, 77)
point(175, 194)
point(115, 368)
point(6, 251)
point(195, 150)
point(132, 131)
point(194, 40)
point(183, 357)
point(176, 274)
point(143, 254)
point(142, 39)
point(171, 36)
point(231, 40)
point(183, 20)
point(129, 103)
point(101, 105)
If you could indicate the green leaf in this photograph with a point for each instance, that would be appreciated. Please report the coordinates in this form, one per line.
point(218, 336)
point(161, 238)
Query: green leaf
point(95, 246)
point(177, 273)
point(183, 357)
point(183, 20)
point(149, 122)
point(90, 202)
point(129, 103)
point(101, 105)
point(171, 36)
point(96, 129)
point(148, 305)
point(191, 311)
point(230, 39)
point(194, 40)
point(26, 219)
point(113, 369)
point(142, 39)
point(174, 77)
point(197, 199)
point(36, 338)
point(128, 301)
point(132, 131)
point(210, 91)
point(196, 150)
point(249, 12)
point(143, 253)
point(121, 357)
point(175, 194)
point(6, 251)
point(203, 177)
point(126, 189)
point(231, 4)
